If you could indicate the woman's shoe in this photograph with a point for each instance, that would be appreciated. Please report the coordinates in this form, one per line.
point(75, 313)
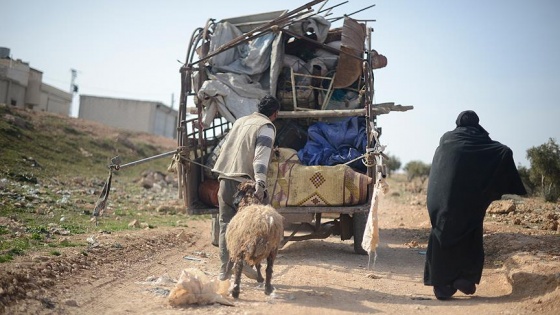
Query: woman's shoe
point(444, 292)
point(465, 286)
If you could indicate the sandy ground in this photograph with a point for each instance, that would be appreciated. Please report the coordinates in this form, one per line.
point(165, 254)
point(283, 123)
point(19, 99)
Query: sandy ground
point(132, 272)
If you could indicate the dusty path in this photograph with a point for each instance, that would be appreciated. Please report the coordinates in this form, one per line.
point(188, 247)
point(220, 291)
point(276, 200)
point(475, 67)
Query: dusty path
point(123, 275)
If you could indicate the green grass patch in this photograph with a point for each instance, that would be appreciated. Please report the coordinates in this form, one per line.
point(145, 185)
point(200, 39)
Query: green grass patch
point(4, 230)
point(14, 247)
point(5, 258)
point(53, 172)
point(67, 243)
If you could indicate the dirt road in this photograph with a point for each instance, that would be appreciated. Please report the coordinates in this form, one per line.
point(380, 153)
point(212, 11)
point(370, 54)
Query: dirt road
point(131, 273)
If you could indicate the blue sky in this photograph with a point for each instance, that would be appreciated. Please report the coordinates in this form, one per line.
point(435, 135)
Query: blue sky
point(500, 58)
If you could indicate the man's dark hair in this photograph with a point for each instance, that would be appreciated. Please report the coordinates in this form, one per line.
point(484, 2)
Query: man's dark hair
point(268, 105)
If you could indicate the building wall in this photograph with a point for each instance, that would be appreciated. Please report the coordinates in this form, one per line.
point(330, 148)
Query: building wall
point(16, 70)
point(53, 100)
point(33, 91)
point(165, 122)
point(22, 86)
point(12, 93)
point(14, 76)
point(134, 115)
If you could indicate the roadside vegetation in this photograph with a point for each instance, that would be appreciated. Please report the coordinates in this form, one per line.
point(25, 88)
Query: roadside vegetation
point(52, 171)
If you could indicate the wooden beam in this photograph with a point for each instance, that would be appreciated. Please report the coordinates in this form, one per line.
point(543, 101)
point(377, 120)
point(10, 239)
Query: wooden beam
point(376, 109)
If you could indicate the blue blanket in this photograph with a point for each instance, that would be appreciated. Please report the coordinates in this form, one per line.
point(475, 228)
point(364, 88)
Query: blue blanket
point(332, 143)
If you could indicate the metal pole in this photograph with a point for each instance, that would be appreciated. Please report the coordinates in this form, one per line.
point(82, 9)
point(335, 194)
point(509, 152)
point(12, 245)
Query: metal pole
point(115, 161)
point(347, 15)
point(72, 89)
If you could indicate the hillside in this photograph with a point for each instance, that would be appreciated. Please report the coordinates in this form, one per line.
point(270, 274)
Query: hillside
point(53, 169)
point(42, 145)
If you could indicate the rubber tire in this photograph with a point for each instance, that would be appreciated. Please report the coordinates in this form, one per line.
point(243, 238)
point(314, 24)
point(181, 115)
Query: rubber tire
point(346, 227)
point(359, 220)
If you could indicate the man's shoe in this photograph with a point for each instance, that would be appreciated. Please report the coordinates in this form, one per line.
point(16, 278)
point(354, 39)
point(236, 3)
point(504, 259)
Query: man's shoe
point(465, 286)
point(223, 276)
point(226, 271)
point(444, 292)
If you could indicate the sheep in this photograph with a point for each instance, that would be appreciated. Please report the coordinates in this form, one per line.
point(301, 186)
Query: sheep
point(253, 234)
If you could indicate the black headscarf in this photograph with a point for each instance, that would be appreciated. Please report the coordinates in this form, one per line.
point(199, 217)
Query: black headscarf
point(469, 118)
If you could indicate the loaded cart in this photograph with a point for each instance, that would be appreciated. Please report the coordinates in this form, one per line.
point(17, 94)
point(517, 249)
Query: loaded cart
point(327, 142)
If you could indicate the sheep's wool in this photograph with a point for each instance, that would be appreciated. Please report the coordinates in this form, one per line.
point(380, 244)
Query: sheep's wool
point(255, 231)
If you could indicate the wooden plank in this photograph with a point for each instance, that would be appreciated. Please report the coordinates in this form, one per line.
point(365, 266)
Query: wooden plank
point(324, 209)
point(322, 113)
point(376, 109)
point(295, 210)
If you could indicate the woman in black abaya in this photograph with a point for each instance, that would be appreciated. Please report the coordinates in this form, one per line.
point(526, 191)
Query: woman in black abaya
point(469, 171)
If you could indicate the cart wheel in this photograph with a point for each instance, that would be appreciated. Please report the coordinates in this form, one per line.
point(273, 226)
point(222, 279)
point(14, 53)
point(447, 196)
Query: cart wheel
point(215, 232)
point(346, 227)
point(359, 220)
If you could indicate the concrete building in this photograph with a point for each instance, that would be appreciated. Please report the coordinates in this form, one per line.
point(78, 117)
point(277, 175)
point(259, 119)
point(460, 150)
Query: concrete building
point(135, 115)
point(22, 86)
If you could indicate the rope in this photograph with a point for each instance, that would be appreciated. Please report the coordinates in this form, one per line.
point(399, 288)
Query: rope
point(102, 201)
point(178, 155)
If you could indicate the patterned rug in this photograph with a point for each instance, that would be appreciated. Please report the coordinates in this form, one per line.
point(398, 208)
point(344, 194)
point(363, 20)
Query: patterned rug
point(294, 184)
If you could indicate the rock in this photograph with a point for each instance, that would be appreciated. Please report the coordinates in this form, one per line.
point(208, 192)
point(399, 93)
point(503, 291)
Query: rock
point(147, 183)
point(157, 186)
point(165, 209)
point(158, 177)
point(40, 258)
point(85, 153)
point(123, 139)
point(134, 224)
point(71, 303)
point(512, 197)
point(532, 274)
point(16, 121)
point(170, 179)
point(181, 223)
point(92, 241)
point(551, 225)
point(183, 236)
point(32, 161)
point(501, 207)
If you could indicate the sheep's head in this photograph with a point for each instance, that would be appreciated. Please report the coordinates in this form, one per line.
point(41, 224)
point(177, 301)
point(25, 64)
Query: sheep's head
point(245, 195)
